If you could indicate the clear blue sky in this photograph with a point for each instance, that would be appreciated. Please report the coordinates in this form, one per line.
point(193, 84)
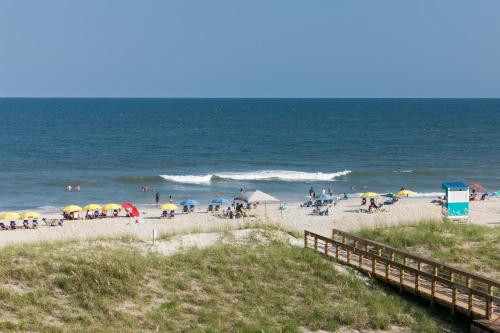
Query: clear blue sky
point(252, 48)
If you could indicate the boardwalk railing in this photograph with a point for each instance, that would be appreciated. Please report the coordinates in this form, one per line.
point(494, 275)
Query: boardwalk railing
point(458, 289)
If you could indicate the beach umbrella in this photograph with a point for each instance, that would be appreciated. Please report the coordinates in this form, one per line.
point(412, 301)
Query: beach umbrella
point(189, 202)
point(323, 197)
point(221, 201)
point(134, 212)
point(10, 216)
point(257, 197)
point(390, 195)
point(72, 209)
point(111, 206)
point(405, 193)
point(368, 195)
point(92, 207)
point(477, 187)
point(30, 215)
point(168, 207)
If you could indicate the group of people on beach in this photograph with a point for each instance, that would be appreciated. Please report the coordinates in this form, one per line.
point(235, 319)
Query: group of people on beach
point(26, 224)
point(69, 188)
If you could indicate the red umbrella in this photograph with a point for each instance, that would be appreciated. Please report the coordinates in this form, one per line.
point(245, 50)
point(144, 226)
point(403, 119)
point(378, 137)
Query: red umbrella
point(477, 187)
point(134, 212)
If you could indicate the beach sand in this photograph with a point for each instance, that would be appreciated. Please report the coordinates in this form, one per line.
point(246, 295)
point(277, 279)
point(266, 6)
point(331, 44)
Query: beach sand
point(294, 218)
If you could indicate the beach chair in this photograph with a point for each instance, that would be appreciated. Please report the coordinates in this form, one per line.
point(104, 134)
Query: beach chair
point(172, 214)
point(26, 224)
point(13, 225)
point(210, 208)
point(164, 214)
point(185, 209)
point(2, 226)
point(191, 209)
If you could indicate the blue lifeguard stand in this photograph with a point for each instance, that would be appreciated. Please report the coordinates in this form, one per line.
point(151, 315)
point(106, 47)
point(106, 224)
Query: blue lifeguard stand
point(456, 205)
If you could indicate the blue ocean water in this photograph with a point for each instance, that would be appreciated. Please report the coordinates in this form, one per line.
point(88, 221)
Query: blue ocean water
point(112, 147)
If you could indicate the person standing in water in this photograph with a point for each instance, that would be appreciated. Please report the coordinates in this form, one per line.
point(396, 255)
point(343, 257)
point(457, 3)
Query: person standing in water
point(157, 197)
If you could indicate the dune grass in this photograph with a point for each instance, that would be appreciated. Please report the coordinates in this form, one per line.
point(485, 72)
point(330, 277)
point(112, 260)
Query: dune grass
point(103, 286)
point(473, 247)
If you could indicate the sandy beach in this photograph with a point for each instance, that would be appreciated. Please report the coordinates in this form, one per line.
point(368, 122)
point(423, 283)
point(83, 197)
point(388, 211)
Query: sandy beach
point(294, 218)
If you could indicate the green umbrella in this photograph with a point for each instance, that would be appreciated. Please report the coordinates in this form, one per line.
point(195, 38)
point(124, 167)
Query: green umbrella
point(390, 195)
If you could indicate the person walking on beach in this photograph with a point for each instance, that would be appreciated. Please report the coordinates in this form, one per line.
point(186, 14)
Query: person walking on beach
point(170, 199)
point(78, 187)
point(68, 187)
point(157, 197)
point(311, 191)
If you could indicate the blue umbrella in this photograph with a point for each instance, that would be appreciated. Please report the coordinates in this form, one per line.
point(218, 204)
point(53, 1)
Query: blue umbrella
point(323, 197)
point(220, 201)
point(189, 202)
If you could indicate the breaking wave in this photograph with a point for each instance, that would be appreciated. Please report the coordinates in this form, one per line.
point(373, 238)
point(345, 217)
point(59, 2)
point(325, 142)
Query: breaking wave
point(276, 175)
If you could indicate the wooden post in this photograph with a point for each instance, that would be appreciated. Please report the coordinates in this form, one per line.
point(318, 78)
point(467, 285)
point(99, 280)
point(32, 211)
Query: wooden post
point(417, 276)
point(356, 244)
point(360, 256)
point(333, 234)
point(387, 272)
point(337, 252)
point(392, 256)
point(379, 252)
point(405, 261)
point(366, 247)
point(489, 302)
point(305, 238)
point(452, 277)
point(315, 243)
point(326, 247)
point(470, 304)
point(348, 256)
point(433, 286)
point(374, 262)
point(401, 278)
point(467, 282)
point(453, 300)
point(343, 239)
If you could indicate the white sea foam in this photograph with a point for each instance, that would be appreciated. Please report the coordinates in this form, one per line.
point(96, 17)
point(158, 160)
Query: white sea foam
point(48, 209)
point(427, 194)
point(279, 175)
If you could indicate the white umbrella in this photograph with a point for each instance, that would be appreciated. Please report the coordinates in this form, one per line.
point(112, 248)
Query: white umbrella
point(257, 197)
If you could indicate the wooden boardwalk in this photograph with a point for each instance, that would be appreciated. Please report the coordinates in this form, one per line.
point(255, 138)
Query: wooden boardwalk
point(460, 290)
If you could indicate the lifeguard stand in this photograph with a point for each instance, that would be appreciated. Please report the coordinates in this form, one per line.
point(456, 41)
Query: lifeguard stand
point(456, 205)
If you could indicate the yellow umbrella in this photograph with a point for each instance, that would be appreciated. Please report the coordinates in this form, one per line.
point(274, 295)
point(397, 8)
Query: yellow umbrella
point(405, 192)
point(30, 215)
point(168, 206)
point(92, 207)
point(72, 209)
point(368, 195)
point(10, 216)
point(111, 206)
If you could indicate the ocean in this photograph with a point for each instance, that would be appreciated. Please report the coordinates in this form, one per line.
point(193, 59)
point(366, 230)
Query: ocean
point(197, 148)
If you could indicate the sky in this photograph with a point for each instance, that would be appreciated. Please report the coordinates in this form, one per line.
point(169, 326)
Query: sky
point(253, 48)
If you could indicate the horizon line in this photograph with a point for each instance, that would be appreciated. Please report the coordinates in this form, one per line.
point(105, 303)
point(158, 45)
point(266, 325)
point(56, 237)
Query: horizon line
point(222, 97)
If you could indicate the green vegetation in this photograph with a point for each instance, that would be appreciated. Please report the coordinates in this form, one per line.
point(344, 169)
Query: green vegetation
point(473, 247)
point(110, 285)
